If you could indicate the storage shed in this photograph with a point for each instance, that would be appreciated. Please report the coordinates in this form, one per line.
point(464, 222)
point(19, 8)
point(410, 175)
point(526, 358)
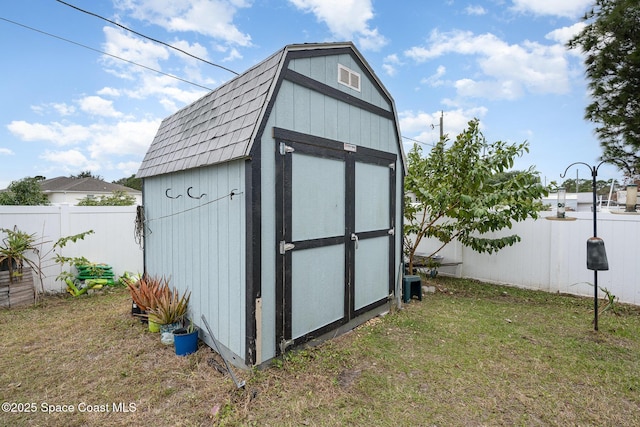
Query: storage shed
point(276, 200)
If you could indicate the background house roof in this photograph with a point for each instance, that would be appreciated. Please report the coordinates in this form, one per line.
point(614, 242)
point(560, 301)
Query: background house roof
point(222, 125)
point(81, 185)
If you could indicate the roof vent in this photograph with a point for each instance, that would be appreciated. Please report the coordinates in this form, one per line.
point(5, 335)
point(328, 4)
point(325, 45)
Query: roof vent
point(348, 77)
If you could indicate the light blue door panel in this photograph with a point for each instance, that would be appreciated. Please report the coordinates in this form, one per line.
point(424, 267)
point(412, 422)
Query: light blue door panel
point(317, 293)
point(317, 187)
point(372, 197)
point(371, 271)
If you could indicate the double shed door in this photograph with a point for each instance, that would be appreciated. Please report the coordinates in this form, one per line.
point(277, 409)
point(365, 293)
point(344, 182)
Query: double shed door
point(335, 228)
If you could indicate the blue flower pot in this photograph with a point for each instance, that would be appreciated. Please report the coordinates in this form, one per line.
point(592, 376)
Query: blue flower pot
point(185, 343)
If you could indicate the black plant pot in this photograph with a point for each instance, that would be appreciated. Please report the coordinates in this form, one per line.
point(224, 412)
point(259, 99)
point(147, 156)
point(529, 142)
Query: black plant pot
point(4, 265)
point(136, 312)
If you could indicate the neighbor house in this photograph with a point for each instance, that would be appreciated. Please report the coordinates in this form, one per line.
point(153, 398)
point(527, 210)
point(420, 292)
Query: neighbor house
point(69, 191)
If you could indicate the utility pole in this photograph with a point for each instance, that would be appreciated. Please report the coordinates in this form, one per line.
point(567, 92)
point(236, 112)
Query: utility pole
point(441, 124)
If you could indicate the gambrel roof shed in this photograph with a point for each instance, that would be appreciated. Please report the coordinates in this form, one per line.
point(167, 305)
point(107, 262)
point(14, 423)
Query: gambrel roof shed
point(276, 200)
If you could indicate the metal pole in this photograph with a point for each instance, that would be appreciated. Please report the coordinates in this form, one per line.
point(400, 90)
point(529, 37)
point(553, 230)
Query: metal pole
point(594, 174)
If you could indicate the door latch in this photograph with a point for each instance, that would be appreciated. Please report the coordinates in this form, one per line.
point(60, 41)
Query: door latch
point(284, 247)
point(354, 237)
point(284, 149)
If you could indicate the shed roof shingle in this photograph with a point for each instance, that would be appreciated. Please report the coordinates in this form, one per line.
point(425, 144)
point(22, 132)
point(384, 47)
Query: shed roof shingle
point(216, 128)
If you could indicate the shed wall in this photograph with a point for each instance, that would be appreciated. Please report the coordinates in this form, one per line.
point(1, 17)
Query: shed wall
point(200, 243)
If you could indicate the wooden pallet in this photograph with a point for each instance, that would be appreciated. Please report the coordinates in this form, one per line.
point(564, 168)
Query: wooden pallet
point(18, 293)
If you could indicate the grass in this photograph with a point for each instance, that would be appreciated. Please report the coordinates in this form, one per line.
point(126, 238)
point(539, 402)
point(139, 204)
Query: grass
point(470, 354)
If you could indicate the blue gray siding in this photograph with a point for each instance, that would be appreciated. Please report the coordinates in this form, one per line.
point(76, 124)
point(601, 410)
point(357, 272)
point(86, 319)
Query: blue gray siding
point(200, 243)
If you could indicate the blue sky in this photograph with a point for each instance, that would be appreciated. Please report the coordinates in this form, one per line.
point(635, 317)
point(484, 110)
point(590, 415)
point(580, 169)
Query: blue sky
point(66, 108)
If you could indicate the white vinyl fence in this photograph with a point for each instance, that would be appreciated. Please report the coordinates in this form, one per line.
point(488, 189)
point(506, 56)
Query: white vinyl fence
point(111, 243)
point(552, 256)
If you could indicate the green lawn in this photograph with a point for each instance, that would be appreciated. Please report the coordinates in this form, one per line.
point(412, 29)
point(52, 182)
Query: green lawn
point(470, 354)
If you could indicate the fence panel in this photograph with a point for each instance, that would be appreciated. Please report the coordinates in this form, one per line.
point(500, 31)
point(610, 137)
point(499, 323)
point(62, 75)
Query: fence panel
point(112, 243)
point(552, 256)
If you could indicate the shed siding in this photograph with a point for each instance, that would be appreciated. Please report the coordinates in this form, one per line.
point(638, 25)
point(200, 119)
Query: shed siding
point(325, 70)
point(200, 243)
point(304, 110)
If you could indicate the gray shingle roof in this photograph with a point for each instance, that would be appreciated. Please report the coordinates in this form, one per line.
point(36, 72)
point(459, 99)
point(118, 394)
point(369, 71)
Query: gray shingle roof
point(82, 185)
point(216, 128)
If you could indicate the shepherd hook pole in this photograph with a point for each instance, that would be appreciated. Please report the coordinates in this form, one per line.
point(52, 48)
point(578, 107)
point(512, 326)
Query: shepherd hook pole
point(594, 174)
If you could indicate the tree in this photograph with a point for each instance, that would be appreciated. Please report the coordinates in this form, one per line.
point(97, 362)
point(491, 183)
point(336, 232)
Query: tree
point(87, 174)
point(131, 182)
point(26, 191)
point(586, 186)
point(611, 42)
point(117, 198)
point(457, 195)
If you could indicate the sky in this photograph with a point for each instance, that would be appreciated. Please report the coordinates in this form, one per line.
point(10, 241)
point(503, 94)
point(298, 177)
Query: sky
point(80, 93)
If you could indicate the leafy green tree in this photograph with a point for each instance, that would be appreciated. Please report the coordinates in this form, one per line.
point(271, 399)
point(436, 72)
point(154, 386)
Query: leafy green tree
point(131, 182)
point(458, 193)
point(26, 191)
point(586, 186)
point(117, 198)
point(611, 42)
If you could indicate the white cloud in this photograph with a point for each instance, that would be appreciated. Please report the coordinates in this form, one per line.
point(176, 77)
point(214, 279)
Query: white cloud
point(109, 91)
point(123, 138)
point(563, 8)
point(475, 10)
point(435, 80)
point(70, 160)
point(370, 40)
point(212, 18)
point(6, 152)
point(98, 106)
point(164, 88)
point(390, 64)
point(564, 34)
point(121, 44)
point(506, 70)
point(346, 19)
point(233, 54)
point(57, 133)
point(64, 109)
point(425, 127)
point(97, 142)
point(195, 49)
point(128, 168)
point(60, 108)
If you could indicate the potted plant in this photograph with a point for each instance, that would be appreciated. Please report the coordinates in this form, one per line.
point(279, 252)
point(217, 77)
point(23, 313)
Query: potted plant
point(186, 340)
point(169, 312)
point(145, 293)
point(13, 252)
point(15, 247)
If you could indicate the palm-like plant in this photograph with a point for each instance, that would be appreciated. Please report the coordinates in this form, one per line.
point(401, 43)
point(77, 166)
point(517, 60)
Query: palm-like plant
point(14, 249)
point(170, 307)
point(148, 290)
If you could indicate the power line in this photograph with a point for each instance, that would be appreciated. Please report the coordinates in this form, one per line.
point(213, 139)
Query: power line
point(147, 37)
point(419, 142)
point(104, 53)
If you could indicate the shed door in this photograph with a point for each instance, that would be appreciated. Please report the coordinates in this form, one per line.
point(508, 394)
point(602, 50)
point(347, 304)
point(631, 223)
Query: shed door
point(335, 228)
